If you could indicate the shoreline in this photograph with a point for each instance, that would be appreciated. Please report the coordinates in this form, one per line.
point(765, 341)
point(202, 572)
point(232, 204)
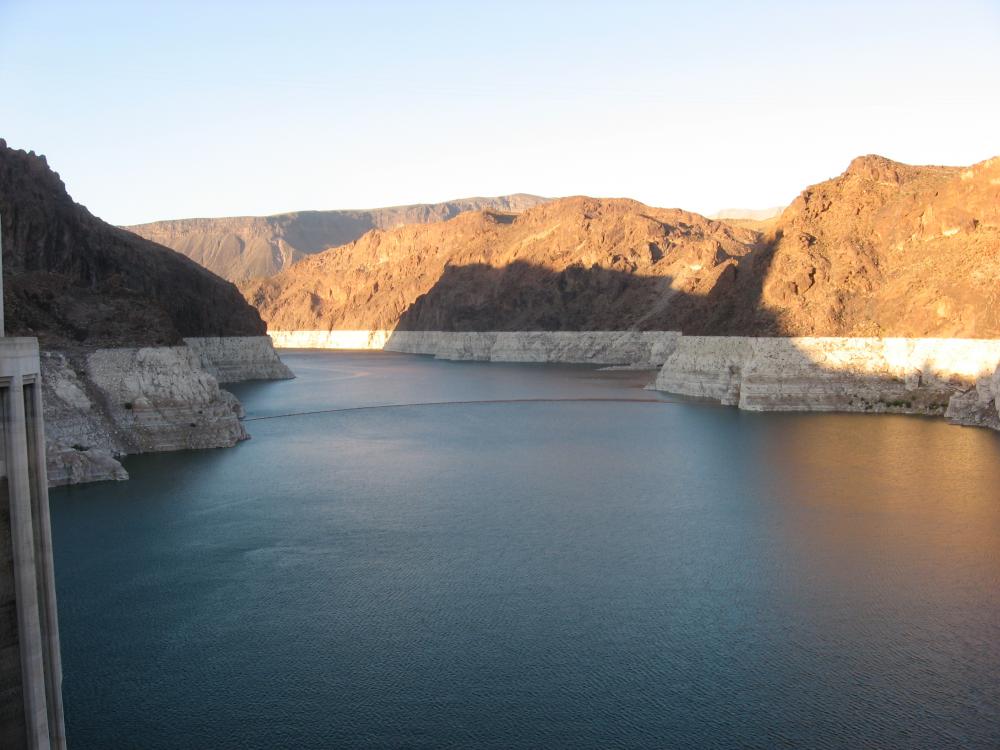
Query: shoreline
point(957, 379)
point(103, 404)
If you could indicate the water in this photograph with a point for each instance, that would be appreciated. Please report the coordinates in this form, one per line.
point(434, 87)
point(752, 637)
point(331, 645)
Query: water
point(567, 574)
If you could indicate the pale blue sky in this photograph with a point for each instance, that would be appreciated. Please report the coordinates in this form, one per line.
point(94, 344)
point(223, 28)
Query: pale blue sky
point(166, 110)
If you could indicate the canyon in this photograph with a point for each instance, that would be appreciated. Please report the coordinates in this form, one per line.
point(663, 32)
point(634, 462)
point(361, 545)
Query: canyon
point(873, 291)
point(885, 249)
point(135, 338)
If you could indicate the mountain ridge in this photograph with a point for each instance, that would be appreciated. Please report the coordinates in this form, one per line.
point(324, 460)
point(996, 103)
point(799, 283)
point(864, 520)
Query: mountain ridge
point(884, 249)
point(243, 247)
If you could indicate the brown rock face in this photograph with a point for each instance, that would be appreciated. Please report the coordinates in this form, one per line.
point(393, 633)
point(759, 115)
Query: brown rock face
point(884, 249)
point(572, 264)
point(71, 278)
point(246, 247)
point(891, 249)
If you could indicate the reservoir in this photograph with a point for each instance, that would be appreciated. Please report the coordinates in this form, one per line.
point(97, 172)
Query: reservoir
point(562, 560)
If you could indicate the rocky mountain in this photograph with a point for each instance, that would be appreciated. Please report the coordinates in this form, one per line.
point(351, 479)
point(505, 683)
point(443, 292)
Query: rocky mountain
point(244, 247)
point(883, 249)
point(70, 278)
point(572, 264)
point(891, 249)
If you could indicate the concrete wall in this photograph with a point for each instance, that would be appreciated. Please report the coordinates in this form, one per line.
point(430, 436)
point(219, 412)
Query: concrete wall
point(12, 726)
point(30, 664)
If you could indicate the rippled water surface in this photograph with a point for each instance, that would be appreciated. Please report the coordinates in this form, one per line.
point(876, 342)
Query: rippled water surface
point(585, 574)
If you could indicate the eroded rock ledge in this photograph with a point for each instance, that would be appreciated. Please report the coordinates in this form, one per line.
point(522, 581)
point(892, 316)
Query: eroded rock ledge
point(233, 359)
point(955, 378)
point(638, 348)
point(103, 404)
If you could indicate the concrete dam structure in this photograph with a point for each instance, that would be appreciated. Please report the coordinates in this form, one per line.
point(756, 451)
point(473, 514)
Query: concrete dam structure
point(31, 709)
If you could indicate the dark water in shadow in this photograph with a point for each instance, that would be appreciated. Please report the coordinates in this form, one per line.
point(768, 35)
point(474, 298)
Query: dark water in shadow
point(579, 575)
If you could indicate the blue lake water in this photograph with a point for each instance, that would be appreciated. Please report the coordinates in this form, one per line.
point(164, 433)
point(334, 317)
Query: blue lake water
point(560, 574)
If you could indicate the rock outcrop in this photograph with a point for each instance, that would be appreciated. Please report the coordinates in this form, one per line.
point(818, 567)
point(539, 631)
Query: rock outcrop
point(246, 247)
point(956, 378)
point(636, 348)
point(889, 249)
point(978, 406)
point(82, 442)
point(232, 359)
point(105, 404)
point(164, 400)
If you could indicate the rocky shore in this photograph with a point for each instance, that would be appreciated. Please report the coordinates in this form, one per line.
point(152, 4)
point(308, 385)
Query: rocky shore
point(958, 379)
point(954, 378)
point(104, 404)
point(232, 359)
point(649, 348)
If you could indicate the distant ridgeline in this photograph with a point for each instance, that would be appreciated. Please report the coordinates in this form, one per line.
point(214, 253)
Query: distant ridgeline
point(245, 247)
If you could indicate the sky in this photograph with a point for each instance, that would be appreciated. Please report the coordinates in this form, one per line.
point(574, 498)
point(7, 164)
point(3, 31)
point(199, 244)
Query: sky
point(178, 109)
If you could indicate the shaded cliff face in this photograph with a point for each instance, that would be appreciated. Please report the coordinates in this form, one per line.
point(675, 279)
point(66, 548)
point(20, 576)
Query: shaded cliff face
point(572, 264)
point(246, 247)
point(70, 278)
point(884, 249)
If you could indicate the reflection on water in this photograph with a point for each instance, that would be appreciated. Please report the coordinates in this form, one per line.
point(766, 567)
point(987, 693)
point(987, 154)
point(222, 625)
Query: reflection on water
point(535, 575)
